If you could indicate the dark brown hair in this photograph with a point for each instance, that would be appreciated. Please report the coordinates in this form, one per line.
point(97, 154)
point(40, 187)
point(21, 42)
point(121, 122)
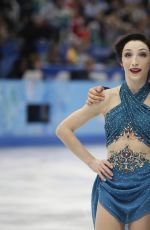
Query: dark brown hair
point(121, 42)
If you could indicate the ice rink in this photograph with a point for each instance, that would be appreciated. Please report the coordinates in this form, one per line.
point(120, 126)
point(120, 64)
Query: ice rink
point(45, 189)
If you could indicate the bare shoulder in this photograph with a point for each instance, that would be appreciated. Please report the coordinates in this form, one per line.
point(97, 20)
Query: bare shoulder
point(112, 98)
point(112, 92)
point(147, 100)
point(103, 106)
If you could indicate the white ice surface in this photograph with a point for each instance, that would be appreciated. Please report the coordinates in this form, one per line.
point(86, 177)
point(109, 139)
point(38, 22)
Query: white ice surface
point(45, 189)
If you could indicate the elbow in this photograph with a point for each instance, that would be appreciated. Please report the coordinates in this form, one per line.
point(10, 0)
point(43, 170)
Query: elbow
point(62, 131)
point(59, 131)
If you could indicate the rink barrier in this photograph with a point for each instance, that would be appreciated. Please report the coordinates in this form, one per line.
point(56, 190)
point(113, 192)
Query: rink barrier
point(10, 141)
point(31, 111)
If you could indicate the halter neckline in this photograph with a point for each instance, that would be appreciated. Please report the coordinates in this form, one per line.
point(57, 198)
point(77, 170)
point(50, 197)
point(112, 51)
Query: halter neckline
point(131, 111)
point(141, 94)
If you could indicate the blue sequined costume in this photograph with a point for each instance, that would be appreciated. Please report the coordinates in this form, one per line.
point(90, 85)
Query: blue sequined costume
point(127, 195)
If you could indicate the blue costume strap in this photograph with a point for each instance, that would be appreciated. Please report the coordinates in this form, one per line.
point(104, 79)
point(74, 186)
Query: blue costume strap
point(132, 111)
point(136, 111)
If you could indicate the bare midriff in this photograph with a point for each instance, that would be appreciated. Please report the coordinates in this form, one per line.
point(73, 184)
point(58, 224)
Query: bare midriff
point(133, 144)
point(127, 140)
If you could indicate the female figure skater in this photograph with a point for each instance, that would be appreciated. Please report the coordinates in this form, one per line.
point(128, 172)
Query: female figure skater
point(121, 191)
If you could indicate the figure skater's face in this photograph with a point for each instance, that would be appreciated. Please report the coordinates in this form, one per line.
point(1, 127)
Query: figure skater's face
point(136, 60)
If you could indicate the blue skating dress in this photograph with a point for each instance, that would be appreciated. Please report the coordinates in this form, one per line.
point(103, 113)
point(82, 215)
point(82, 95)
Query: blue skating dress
point(127, 195)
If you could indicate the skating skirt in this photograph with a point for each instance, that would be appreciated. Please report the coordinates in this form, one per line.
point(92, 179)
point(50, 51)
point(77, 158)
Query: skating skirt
point(126, 196)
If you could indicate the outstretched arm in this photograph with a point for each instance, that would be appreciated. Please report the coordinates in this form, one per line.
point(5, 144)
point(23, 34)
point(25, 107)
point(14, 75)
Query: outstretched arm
point(95, 95)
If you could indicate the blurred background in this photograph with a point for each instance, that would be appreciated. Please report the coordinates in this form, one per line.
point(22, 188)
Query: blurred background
point(51, 53)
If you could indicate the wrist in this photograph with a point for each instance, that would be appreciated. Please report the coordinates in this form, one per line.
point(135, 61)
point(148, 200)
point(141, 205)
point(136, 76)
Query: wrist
point(89, 160)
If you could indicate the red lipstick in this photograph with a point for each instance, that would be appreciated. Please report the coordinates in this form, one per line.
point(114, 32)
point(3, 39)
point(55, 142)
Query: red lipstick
point(135, 70)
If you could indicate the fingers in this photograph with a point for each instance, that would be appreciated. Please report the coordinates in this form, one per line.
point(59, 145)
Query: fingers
point(93, 101)
point(108, 164)
point(95, 95)
point(101, 176)
point(104, 171)
point(96, 90)
point(102, 167)
point(99, 89)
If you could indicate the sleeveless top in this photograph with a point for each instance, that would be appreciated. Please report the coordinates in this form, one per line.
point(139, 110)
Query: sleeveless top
point(131, 112)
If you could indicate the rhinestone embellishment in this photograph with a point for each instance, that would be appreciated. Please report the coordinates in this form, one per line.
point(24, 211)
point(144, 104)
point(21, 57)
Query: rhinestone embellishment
point(127, 160)
point(128, 132)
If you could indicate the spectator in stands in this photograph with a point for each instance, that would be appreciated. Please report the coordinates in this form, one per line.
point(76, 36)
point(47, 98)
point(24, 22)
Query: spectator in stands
point(33, 70)
point(96, 23)
point(93, 8)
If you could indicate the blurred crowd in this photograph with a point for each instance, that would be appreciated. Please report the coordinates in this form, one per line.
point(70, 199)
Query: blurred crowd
point(39, 33)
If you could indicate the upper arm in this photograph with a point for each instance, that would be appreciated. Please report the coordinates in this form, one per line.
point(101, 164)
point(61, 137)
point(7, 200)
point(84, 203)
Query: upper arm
point(78, 118)
point(83, 115)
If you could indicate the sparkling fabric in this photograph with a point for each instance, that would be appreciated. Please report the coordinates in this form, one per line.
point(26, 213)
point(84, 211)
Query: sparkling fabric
point(130, 112)
point(127, 195)
point(127, 160)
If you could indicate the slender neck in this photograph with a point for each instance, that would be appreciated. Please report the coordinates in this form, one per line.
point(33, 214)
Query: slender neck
point(135, 86)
